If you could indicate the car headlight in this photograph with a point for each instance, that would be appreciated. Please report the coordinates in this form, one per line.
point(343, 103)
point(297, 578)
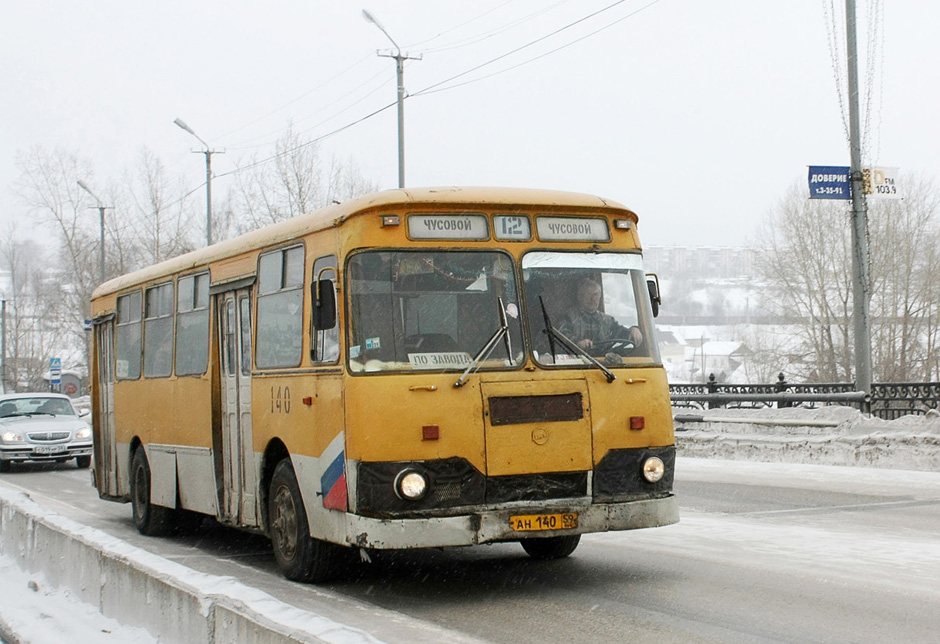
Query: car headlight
point(410, 485)
point(11, 437)
point(83, 434)
point(653, 469)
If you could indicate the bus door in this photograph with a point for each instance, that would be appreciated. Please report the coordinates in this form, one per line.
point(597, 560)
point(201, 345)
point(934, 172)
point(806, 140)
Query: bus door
point(105, 448)
point(239, 503)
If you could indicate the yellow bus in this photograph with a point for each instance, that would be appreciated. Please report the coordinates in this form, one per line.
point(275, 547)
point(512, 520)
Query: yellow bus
point(413, 368)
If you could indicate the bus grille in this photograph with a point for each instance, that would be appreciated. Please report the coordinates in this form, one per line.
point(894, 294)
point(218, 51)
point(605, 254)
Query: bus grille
point(49, 436)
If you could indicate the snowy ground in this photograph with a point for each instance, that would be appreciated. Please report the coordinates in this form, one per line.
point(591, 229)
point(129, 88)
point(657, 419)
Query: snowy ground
point(33, 611)
point(826, 436)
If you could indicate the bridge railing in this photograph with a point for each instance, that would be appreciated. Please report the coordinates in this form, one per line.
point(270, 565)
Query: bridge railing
point(887, 400)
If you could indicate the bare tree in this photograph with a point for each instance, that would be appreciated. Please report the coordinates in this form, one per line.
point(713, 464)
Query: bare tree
point(159, 223)
point(33, 329)
point(48, 186)
point(294, 182)
point(807, 266)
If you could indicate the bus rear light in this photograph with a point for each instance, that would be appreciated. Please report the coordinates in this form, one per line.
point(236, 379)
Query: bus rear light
point(410, 485)
point(390, 220)
point(430, 432)
point(637, 422)
point(654, 469)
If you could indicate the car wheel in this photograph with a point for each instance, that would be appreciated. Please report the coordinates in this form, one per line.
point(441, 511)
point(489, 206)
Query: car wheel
point(6, 466)
point(299, 556)
point(551, 547)
point(83, 462)
point(151, 520)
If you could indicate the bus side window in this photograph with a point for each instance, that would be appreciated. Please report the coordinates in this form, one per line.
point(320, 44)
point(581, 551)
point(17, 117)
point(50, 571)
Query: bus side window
point(127, 337)
point(158, 331)
point(279, 318)
point(192, 325)
point(324, 343)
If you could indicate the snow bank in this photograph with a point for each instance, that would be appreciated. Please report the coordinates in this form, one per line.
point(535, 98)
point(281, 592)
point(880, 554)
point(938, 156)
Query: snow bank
point(142, 590)
point(830, 435)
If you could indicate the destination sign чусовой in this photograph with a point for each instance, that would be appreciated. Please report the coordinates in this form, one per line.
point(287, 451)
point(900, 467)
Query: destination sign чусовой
point(572, 229)
point(448, 227)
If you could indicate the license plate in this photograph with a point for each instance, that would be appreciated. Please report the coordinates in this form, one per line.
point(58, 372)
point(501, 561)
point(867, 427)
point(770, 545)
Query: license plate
point(535, 522)
point(49, 449)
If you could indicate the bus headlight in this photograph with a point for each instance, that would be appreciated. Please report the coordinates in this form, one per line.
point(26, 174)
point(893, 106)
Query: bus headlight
point(653, 469)
point(411, 485)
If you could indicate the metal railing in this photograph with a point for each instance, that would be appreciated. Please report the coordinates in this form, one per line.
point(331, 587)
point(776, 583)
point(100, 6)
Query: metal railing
point(888, 400)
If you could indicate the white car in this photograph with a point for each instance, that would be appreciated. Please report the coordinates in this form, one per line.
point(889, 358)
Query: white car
point(42, 427)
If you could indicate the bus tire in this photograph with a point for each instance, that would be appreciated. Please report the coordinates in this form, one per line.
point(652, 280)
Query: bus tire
point(151, 520)
point(83, 462)
point(299, 556)
point(550, 547)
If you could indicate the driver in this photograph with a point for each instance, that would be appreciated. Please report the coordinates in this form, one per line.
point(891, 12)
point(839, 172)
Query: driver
point(587, 326)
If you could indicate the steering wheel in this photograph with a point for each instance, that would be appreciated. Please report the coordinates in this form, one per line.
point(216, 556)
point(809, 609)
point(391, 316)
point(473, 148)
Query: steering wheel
point(617, 345)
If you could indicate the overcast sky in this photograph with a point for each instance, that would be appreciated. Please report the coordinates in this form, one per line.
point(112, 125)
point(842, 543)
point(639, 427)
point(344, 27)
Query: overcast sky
point(698, 115)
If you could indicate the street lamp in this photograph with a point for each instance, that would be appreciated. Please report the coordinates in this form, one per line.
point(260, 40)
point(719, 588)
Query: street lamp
point(400, 72)
point(101, 208)
point(208, 152)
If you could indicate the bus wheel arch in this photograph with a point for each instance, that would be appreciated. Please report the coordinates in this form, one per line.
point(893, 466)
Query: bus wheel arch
point(274, 453)
point(150, 519)
point(299, 556)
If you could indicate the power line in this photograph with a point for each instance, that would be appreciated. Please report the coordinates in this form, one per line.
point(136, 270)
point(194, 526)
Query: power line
point(430, 90)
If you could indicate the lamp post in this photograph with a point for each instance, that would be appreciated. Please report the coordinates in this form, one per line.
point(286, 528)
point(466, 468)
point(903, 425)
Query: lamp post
point(400, 73)
point(101, 208)
point(208, 152)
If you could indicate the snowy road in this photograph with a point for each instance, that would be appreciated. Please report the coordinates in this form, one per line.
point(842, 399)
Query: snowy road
point(763, 553)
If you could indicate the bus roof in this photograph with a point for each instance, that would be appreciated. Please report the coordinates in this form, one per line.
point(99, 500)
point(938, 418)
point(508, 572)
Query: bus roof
point(335, 214)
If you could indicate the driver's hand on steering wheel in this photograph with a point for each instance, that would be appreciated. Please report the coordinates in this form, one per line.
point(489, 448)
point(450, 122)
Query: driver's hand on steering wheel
point(586, 343)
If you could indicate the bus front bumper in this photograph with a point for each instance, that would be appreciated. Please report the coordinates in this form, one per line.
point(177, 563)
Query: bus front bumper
point(494, 525)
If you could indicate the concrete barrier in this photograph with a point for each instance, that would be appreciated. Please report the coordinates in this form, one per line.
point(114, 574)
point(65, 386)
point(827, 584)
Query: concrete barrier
point(137, 588)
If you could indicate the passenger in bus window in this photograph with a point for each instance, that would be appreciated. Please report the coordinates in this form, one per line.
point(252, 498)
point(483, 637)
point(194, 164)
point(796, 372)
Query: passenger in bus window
point(590, 328)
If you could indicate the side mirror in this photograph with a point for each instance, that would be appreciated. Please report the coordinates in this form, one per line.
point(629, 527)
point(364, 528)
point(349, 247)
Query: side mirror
point(652, 284)
point(324, 305)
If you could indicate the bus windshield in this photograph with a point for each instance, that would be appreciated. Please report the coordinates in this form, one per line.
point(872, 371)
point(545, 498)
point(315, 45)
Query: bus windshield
point(588, 304)
point(432, 310)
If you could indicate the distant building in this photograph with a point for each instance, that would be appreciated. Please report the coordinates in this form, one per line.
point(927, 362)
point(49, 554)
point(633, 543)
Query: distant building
point(708, 262)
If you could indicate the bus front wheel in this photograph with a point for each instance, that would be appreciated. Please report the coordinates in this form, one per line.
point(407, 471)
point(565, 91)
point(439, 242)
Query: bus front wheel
point(151, 520)
point(299, 556)
point(551, 547)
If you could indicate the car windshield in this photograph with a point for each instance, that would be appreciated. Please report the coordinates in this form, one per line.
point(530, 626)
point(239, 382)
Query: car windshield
point(588, 304)
point(36, 405)
point(432, 311)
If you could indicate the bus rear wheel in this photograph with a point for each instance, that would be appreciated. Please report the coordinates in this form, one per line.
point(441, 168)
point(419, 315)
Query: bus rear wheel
point(550, 547)
point(299, 556)
point(151, 520)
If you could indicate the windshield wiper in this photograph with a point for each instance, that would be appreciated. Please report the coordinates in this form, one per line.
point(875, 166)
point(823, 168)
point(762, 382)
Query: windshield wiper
point(555, 334)
point(501, 333)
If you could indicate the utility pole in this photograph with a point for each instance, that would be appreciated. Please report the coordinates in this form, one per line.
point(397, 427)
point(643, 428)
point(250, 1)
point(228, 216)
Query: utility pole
point(101, 208)
point(3, 345)
point(208, 152)
point(400, 75)
point(860, 282)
